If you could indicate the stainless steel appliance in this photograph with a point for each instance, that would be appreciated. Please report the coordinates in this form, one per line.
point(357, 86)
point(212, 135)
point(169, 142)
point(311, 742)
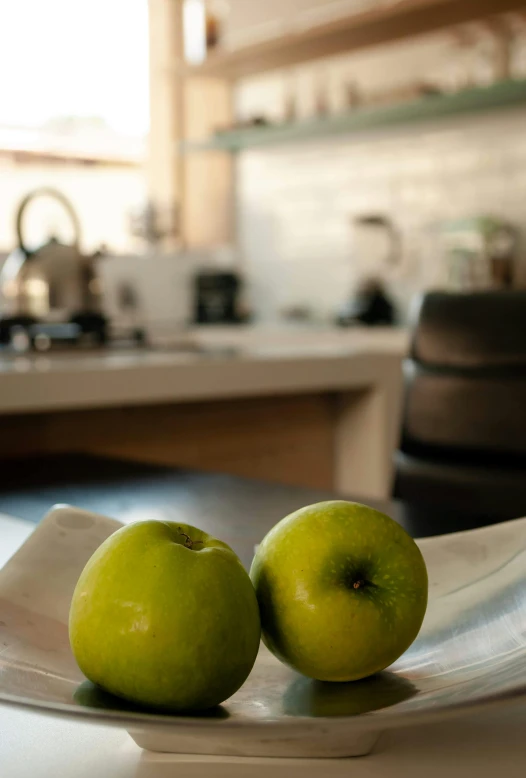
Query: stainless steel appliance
point(51, 289)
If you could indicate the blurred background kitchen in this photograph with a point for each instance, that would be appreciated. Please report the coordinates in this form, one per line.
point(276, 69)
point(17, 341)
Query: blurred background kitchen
point(267, 187)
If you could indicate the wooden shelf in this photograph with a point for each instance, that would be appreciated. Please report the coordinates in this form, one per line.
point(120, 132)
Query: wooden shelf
point(403, 19)
point(503, 95)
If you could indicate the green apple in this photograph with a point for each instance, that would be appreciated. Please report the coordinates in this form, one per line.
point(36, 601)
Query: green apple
point(165, 616)
point(342, 590)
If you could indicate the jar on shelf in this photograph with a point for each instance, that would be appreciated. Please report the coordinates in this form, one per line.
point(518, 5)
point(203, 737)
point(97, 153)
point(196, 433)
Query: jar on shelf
point(216, 14)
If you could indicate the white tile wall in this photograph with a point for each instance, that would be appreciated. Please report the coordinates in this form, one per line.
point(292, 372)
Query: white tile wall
point(296, 201)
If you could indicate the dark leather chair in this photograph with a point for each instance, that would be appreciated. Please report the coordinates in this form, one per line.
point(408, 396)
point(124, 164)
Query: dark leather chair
point(463, 440)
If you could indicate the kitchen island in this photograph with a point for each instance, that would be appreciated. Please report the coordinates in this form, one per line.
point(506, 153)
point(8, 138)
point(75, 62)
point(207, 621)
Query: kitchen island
point(316, 408)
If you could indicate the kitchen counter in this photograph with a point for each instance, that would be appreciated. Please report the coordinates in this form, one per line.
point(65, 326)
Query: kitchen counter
point(207, 364)
point(303, 406)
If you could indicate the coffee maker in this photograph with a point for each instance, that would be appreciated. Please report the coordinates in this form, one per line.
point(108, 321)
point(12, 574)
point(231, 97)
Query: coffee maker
point(218, 298)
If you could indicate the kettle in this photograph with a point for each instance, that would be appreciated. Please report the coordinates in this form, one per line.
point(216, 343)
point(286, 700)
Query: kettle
point(52, 283)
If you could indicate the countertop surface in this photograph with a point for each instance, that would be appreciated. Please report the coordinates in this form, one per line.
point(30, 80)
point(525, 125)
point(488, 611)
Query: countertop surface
point(205, 364)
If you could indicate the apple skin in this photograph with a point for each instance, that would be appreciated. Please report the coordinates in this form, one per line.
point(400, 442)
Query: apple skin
point(165, 616)
point(342, 590)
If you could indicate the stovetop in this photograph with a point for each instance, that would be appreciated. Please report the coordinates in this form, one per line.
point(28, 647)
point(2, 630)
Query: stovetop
point(21, 335)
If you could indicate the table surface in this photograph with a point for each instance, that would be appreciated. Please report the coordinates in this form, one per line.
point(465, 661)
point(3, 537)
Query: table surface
point(240, 511)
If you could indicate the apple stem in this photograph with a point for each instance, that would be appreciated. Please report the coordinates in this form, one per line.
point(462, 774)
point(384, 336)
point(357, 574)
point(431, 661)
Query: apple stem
point(188, 542)
point(358, 584)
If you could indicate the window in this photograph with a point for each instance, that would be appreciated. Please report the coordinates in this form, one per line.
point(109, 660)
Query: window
point(74, 112)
